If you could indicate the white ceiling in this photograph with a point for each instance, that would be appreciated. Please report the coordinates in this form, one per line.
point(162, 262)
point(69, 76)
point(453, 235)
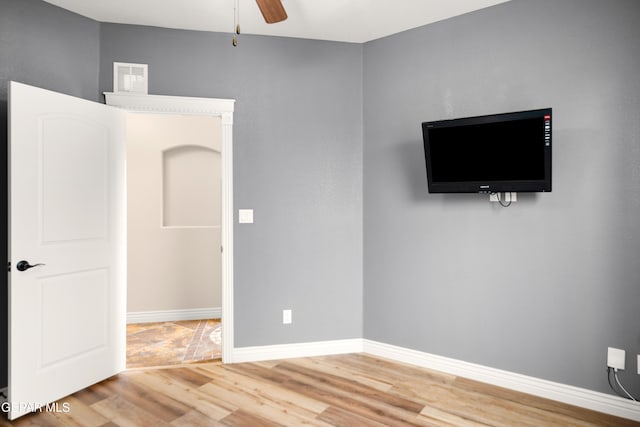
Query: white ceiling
point(340, 20)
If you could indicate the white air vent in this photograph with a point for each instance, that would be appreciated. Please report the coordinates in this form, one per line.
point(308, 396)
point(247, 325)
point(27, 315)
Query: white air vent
point(130, 78)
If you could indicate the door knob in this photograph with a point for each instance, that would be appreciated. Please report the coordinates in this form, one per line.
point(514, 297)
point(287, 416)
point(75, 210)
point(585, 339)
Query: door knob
point(24, 265)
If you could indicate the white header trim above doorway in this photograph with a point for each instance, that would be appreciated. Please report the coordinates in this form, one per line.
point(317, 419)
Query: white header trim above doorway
point(172, 104)
point(162, 104)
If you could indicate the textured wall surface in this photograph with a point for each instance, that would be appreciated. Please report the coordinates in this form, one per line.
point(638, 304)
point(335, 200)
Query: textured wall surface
point(297, 150)
point(540, 288)
point(297, 163)
point(173, 212)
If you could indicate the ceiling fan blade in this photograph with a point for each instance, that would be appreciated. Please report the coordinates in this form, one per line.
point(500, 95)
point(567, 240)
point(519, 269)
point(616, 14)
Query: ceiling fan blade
point(272, 10)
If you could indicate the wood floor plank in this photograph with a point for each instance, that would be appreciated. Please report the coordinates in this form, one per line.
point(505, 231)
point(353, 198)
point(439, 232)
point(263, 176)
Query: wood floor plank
point(188, 376)
point(267, 363)
point(39, 419)
point(341, 417)
point(242, 418)
point(259, 370)
point(485, 410)
point(80, 414)
point(260, 403)
point(195, 419)
point(243, 374)
point(126, 414)
point(386, 370)
point(350, 388)
point(90, 395)
point(333, 367)
point(439, 417)
point(211, 406)
point(152, 401)
point(571, 412)
point(345, 390)
point(367, 403)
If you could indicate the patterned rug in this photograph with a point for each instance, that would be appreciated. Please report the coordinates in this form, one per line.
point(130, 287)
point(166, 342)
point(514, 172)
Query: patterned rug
point(173, 343)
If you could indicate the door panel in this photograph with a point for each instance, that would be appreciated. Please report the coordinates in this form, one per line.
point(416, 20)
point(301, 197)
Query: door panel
point(67, 211)
point(64, 215)
point(90, 301)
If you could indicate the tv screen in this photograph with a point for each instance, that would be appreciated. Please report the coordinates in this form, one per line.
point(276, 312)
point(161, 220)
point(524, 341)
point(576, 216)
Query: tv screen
point(486, 154)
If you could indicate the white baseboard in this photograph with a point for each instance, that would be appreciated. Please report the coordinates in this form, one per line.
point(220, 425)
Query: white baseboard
point(288, 351)
point(576, 396)
point(173, 315)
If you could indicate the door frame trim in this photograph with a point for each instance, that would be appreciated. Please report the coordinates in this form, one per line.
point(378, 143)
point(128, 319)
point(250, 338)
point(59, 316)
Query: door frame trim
point(223, 108)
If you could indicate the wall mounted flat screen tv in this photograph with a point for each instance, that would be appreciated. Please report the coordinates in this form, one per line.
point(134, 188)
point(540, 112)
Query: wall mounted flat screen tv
point(486, 154)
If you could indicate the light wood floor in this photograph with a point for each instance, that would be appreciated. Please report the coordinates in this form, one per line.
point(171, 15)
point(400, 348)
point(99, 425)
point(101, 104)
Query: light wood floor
point(346, 390)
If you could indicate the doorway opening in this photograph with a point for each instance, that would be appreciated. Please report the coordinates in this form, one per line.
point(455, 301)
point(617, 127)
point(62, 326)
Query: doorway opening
point(173, 239)
point(197, 323)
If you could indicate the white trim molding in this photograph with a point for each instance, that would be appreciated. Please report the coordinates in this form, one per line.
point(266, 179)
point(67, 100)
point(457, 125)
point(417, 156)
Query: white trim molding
point(226, 235)
point(173, 105)
point(576, 396)
point(289, 351)
point(223, 108)
point(174, 315)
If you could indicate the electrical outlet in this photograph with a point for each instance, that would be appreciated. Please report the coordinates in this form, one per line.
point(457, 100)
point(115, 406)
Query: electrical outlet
point(615, 358)
point(286, 317)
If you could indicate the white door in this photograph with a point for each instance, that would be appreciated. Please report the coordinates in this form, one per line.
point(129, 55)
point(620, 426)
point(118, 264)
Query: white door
point(67, 211)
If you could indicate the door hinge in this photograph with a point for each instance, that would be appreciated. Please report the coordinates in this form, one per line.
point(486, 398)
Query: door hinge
point(9, 266)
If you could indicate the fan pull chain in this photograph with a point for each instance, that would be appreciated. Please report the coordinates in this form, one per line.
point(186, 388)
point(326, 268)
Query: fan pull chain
point(236, 21)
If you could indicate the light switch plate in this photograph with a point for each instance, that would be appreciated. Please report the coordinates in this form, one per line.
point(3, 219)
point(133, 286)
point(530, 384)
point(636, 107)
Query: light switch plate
point(245, 216)
point(286, 317)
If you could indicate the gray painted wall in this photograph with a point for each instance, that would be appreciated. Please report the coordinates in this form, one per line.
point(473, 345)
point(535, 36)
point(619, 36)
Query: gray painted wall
point(297, 163)
point(48, 47)
point(297, 151)
point(540, 288)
